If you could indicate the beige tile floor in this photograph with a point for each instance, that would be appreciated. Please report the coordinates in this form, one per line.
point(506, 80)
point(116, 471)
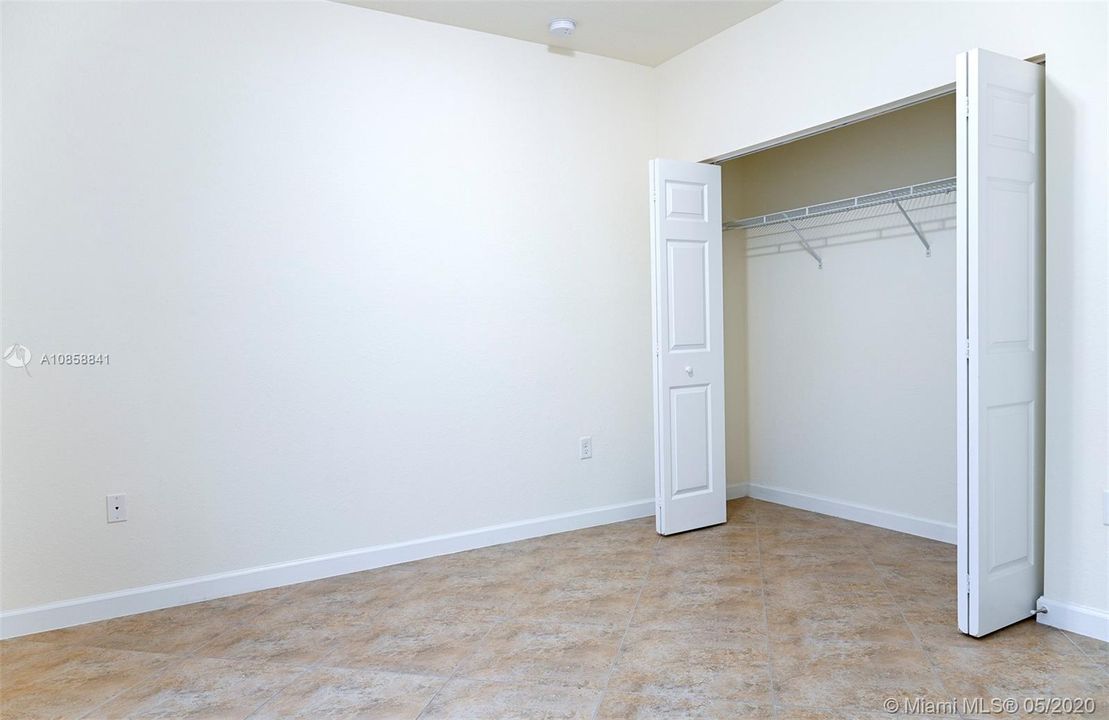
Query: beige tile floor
point(779, 613)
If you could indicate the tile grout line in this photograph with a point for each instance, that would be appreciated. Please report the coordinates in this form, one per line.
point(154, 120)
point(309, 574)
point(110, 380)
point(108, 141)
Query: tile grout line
point(1081, 649)
point(774, 704)
point(292, 681)
point(304, 669)
point(457, 669)
point(178, 656)
point(90, 711)
point(310, 667)
point(627, 628)
point(901, 612)
point(322, 662)
point(193, 653)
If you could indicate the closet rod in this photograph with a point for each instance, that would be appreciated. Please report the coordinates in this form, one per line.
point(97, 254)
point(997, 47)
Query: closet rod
point(895, 196)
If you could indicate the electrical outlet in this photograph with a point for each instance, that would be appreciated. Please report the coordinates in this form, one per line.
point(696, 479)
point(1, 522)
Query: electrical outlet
point(585, 448)
point(117, 508)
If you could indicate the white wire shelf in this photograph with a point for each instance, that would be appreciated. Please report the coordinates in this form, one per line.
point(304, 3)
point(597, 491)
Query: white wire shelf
point(794, 230)
point(885, 197)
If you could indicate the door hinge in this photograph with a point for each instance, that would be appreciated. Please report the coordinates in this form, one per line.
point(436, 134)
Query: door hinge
point(966, 350)
point(656, 350)
point(966, 106)
point(970, 587)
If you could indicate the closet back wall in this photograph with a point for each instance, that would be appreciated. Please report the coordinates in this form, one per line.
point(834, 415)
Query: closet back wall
point(350, 294)
point(849, 381)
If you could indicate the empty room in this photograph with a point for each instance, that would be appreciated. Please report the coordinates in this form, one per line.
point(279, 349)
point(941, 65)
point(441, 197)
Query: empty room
point(595, 359)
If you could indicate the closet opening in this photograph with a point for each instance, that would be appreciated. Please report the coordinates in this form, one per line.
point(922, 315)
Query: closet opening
point(839, 314)
point(851, 322)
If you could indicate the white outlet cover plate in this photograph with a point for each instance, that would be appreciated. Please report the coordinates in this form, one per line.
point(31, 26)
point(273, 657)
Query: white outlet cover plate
point(117, 508)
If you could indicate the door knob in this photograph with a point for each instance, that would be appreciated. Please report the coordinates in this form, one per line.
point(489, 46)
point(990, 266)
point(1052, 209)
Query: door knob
point(689, 370)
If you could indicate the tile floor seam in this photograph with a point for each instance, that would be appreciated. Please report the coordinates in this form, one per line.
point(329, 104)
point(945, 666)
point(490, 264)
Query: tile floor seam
point(124, 689)
point(321, 663)
point(1081, 649)
point(277, 692)
point(154, 676)
point(195, 653)
point(92, 646)
point(304, 668)
point(323, 667)
point(774, 704)
point(308, 666)
point(458, 666)
point(901, 612)
point(550, 684)
point(627, 627)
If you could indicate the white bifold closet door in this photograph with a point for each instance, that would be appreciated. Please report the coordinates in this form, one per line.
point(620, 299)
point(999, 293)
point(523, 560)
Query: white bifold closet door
point(688, 335)
point(1000, 256)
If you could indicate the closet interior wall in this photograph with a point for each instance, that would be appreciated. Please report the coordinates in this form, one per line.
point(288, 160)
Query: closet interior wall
point(840, 382)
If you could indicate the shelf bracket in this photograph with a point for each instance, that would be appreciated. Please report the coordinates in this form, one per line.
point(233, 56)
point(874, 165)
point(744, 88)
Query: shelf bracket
point(805, 245)
point(919, 234)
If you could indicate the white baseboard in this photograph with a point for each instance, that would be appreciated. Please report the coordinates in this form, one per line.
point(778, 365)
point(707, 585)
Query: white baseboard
point(182, 592)
point(931, 529)
point(1078, 619)
point(737, 490)
point(92, 608)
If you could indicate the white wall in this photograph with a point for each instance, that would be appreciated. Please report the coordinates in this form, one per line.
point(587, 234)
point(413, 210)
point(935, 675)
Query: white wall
point(363, 279)
point(805, 64)
point(736, 397)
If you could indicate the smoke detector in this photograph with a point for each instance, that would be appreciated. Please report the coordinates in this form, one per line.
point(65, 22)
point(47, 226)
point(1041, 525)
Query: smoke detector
point(562, 26)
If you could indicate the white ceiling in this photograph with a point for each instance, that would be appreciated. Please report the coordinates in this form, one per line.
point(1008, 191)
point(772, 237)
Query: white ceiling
point(648, 32)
